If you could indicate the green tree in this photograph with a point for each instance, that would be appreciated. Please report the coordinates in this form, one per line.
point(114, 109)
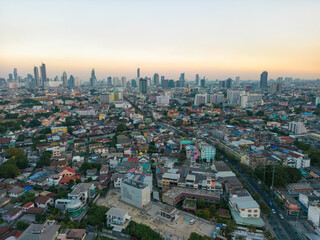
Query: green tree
point(200, 203)
point(21, 225)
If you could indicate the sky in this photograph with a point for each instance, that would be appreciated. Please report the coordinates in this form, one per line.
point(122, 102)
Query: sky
point(215, 38)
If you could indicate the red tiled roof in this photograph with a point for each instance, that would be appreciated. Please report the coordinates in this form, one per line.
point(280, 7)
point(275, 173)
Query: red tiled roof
point(68, 169)
point(27, 205)
point(42, 199)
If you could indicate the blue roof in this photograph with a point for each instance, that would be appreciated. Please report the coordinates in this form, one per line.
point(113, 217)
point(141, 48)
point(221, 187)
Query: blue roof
point(38, 174)
point(28, 188)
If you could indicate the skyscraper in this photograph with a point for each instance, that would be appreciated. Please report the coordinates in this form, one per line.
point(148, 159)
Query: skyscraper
point(109, 81)
point(229, 83)
point(182, 80)
point(237, 81)
point(43, 74)
point(10, 77)
point(203, 82)
point(264, 80)
point(36, 76)
point(93, 79)
point(138, 73)
point(64, 79)
point(71, 82)
point(197, 79)
point(123, 81)
point(15, 74)
point(143, 84)
point(156, 79)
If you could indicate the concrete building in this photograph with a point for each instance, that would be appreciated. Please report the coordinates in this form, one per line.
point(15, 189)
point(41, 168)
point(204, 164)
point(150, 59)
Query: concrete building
point(46, 231)
point(264, 80)
point(314, 214)
point(200, 99)
point(297, 127)
point(208, 153)
point(117, 217)
point(135, 193)
point(83, 192)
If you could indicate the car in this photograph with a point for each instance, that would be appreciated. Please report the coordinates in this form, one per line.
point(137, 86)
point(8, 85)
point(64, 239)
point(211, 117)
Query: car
point(192, 221)
point(280, 215)
point(273, 211)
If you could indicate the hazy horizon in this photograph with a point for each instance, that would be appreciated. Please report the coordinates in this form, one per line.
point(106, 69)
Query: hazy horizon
point(213, 38)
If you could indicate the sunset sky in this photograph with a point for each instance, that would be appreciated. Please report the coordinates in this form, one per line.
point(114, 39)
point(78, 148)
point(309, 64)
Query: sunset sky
point(215, 38)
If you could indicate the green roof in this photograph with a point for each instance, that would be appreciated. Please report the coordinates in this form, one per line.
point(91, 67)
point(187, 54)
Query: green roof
point(186, 142)
point(145, 165)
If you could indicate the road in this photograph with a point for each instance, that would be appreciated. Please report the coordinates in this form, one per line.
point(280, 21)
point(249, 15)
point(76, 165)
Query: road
point(281, 227)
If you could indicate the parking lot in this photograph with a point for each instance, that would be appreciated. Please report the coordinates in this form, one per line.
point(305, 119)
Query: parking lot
point(179, 229)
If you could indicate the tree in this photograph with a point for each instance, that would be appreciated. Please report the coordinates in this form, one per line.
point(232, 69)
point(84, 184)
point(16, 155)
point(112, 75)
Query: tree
point(141, 231)
point(260, 113)
point(249, 113)
point(21, 138)
point(264, 208)
point(196, 236)
point(71, 183)
point(45, 159)
point(121, 128)
point(200, 203)
point(21, 225)
point(96, 215)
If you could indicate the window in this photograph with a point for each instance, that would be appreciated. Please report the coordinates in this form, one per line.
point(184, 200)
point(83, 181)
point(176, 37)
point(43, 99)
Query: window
point(249, 210)
point(249, 215)
point(256, 210)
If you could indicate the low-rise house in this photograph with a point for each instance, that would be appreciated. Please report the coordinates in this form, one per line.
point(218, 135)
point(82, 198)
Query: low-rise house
point(43, 201)
point(46, 231)
point(12, 214)
point(83, 192)
point(16, 192)
point(117, 217)
point(27, 206)
point(72, 234)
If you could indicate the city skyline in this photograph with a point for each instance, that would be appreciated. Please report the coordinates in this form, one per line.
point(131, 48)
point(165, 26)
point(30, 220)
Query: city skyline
point(214, 39)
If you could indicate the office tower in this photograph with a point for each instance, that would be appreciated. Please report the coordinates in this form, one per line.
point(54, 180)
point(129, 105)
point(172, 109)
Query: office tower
point(43, 74)
point(156, 79)
point(279, 79)
point(222, 84)
point(109, 81)
point(15, 74)
point(171, 84)
point(36, 76)
point(143, 85)
point(203, 82)
point(197, 79)
point(10, 77)
point(123, 81)
point(237, 81)
point(56, 79)
point(229, 83)
point(93, 79)
point(234, 96)
point(264, 80)
point(182, 80)
point(162, 78)
point(71, 82)
point(64, 79)
point(133, 83)
point(317, 101)
point(138, 73)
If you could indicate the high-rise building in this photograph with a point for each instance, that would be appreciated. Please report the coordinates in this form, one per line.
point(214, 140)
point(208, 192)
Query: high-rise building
point(317, 101)
point(36, 76)
point(237, 81)
point(71, 82)
point(197, 79)
point(200, 99)
point(15, 74)
point(10, 77)
point(222, 84)
point(138, 73)
point(244, 101)
point(229, 83)
point(182, 80)
point(93, 79)
point(143, 85)
point(43, 73)
point(156, 80)
point(203, 82)
point(109, 81)
point(297, 127)
point(276, 87)
point(133, 83)
point(264, 80)
point(123, 81)
point(64, 79)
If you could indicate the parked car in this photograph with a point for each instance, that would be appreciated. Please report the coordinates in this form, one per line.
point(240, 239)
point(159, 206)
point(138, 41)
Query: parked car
point(280, 215)
point(192, 221)
point(273, 211)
